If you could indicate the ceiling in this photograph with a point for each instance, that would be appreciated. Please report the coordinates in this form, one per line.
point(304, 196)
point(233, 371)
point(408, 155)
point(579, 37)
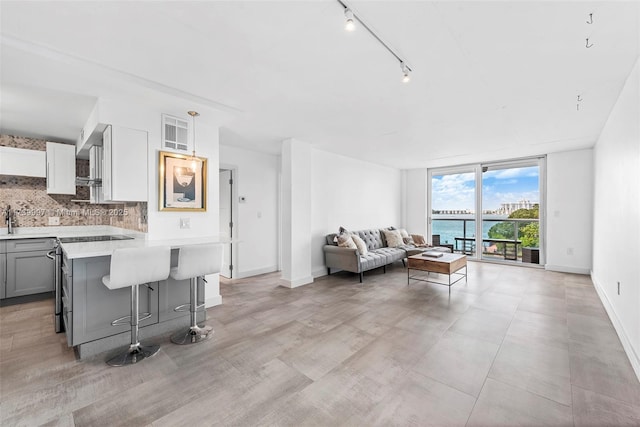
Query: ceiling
point(490, 80)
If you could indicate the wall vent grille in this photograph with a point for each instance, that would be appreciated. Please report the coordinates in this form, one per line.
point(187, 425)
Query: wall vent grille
point(175, 133)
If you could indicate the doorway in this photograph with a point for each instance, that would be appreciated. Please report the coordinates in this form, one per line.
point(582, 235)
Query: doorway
point(226, 220)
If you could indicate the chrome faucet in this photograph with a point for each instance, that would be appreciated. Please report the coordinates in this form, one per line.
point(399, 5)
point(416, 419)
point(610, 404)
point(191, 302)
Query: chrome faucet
point(9, 219)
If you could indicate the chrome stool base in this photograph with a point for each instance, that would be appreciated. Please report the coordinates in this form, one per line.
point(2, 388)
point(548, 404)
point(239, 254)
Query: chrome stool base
point(136, 353)
point(193, 335)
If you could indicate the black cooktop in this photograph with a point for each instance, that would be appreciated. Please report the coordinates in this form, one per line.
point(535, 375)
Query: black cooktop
point(92, 239)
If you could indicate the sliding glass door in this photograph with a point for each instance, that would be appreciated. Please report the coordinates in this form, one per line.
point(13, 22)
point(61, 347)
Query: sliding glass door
point(511, 211)
point(453, 207)
point(489, 211)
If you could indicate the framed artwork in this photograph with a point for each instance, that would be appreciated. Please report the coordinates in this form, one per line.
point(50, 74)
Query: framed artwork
point(183, 182)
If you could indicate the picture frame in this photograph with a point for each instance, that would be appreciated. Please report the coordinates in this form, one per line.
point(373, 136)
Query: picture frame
point(183, 182)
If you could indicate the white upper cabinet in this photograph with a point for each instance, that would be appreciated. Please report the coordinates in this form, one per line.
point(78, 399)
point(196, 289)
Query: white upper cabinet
point(61, 168)
point(22, 162)
point(124, 173)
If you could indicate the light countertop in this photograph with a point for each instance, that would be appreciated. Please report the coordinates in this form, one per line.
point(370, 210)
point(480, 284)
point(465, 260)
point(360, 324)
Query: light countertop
point(65, 231)
point(105, 248)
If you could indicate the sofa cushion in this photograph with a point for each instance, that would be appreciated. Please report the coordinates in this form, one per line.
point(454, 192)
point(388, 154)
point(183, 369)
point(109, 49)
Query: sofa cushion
point(372, 259)
point(391, 254)
point(373, 238)
point(393, 238)
point(414, 251)
point(360, 244)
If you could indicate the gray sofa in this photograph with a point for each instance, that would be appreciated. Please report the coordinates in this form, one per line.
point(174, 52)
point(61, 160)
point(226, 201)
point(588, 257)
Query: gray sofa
point(378, 255)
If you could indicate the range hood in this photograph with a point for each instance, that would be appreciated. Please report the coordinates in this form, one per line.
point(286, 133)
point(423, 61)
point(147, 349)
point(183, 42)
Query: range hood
point(87, 181)
point(94, 180)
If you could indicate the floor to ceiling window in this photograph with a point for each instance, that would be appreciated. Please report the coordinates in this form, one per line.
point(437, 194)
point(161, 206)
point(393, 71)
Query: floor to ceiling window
point(453, 206)
point(489, 211)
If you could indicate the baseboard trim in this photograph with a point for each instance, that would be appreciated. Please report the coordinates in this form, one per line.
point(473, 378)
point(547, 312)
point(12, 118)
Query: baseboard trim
point(213, 301)
point(295, 283)
point(320, 272)
point(565, 269)
point(257, 272)
point(617, 325)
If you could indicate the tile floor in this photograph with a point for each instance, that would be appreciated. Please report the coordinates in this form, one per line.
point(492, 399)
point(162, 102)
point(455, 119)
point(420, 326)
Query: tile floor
point(513, 346)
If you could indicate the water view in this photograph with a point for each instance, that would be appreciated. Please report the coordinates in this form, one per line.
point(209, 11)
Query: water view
point(509, 209)
point(449, 229)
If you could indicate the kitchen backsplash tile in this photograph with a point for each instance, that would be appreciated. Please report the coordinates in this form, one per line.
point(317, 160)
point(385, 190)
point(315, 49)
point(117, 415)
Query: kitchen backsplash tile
point(33, 206)
point(23, 142)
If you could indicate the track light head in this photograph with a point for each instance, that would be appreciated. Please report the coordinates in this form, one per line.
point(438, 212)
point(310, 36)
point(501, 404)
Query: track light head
point(405, 73)
point(350, 25)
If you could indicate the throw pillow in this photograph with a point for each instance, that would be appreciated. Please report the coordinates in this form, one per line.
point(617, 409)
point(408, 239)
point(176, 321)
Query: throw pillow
point(345, 240)
point(403, 233)
point(360, 244)
point(394, 239)
point(419, 241)
point(408, 241)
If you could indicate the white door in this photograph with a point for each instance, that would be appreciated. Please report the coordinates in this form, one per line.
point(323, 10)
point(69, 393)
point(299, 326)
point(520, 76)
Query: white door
point(226, 220)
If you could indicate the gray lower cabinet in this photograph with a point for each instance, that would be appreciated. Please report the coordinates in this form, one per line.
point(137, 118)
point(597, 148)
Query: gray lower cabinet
point(91, 306)
point(173, 293)
point(28, 270)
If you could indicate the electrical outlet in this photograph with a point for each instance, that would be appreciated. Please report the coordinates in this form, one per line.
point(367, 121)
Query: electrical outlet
point(54, 220)
point(185, 223)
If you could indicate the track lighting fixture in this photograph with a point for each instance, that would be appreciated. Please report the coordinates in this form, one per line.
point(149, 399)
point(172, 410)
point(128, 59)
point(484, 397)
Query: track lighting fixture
point(405, 72)
point(350, 25)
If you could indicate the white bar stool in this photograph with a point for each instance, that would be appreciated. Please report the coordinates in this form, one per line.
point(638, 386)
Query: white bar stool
point(131, 267)
point(195, 261)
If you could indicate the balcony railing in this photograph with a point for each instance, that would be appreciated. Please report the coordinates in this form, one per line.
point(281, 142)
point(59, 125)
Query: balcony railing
point(461, 233)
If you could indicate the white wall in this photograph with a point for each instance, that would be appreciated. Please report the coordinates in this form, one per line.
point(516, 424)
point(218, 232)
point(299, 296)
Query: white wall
point(415, 203)
point(296, 213)
point(144, 117)
point(569, 211)
point(353, 194)
point(616, 226)
point(136, 114)
point(256, 220)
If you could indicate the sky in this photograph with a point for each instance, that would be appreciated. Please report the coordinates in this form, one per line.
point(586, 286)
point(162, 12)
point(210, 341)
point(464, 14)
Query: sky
point(457, 191)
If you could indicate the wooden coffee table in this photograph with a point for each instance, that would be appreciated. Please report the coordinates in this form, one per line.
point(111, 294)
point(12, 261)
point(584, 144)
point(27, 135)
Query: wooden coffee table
point(449, 264)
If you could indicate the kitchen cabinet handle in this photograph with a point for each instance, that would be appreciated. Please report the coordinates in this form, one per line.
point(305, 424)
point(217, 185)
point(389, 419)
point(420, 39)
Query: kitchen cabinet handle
point(51, 254)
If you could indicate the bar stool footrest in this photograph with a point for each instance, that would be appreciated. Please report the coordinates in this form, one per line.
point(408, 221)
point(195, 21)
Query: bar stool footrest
point(126, 320)
point(183, 307)
point(187, 307)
